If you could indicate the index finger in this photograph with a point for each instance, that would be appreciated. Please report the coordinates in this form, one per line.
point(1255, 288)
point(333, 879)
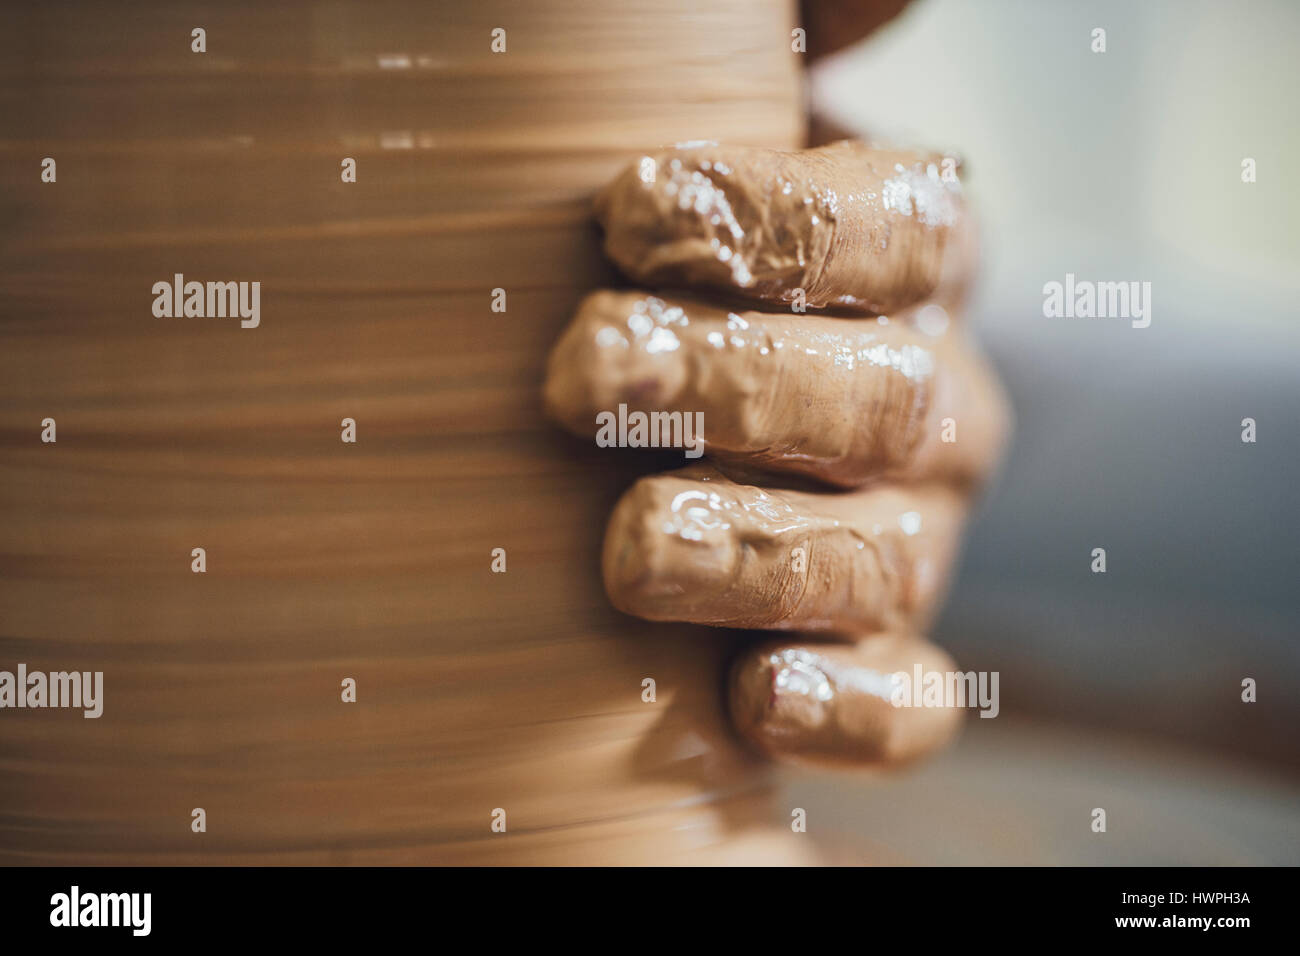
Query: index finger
point(840, 226)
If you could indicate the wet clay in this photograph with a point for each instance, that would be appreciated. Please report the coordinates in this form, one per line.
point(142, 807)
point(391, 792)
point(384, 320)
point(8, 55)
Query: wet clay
point(841, 401)
point(845, 225)
point(693, 545)
point(373, 561)
point(833, 703)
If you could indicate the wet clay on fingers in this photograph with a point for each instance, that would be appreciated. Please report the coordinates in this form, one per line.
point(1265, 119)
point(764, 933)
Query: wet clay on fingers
point(850, 225)
point(840, 400)
point(832, 703)
point(693, 545)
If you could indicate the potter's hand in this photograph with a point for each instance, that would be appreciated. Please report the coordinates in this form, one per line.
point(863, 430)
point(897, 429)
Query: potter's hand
point(842, 447)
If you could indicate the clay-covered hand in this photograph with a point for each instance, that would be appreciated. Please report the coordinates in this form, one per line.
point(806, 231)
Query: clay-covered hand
point(846, 421)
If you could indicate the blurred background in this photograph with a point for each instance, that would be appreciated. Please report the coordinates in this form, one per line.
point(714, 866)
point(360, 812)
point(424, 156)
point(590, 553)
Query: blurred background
point(1119, 690)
